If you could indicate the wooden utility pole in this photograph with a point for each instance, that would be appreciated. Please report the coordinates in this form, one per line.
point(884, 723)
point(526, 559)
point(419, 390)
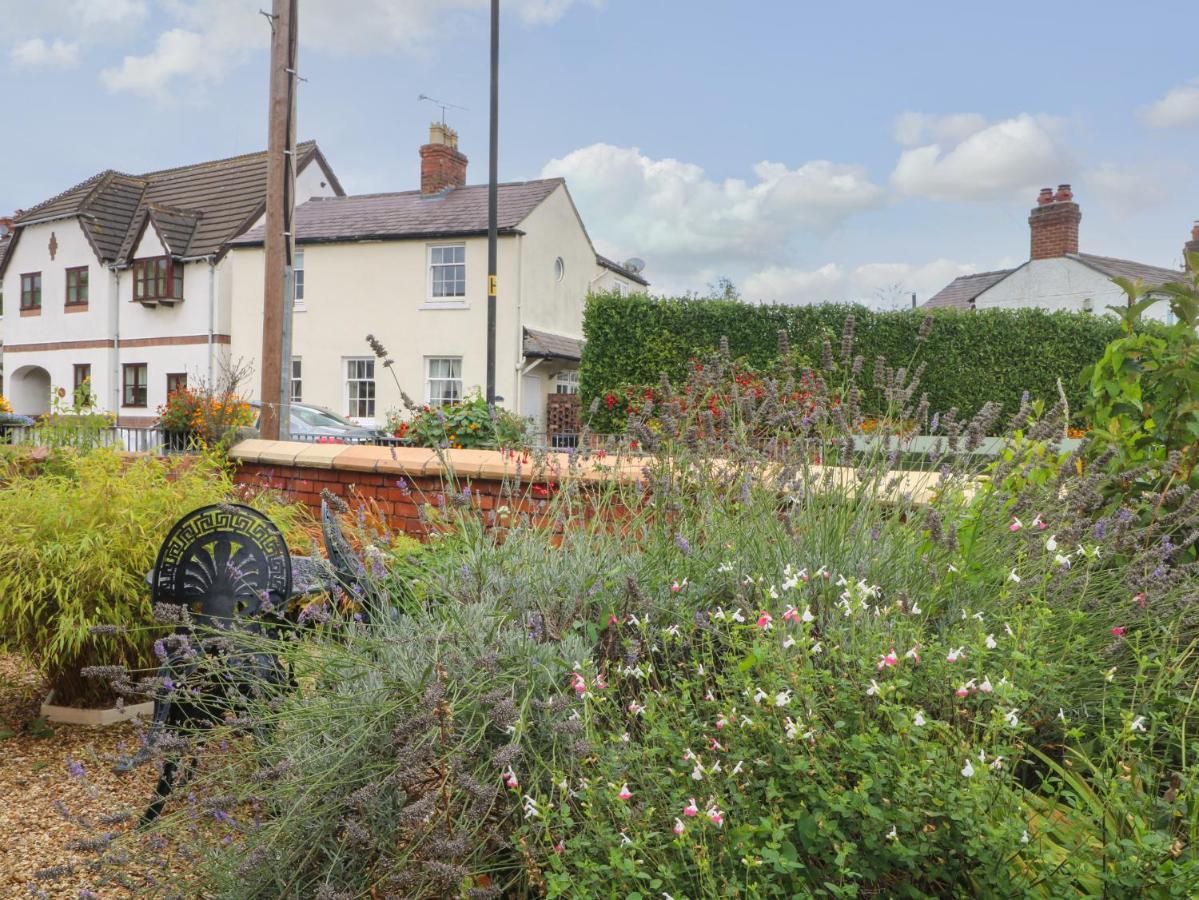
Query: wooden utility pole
point(279, 201)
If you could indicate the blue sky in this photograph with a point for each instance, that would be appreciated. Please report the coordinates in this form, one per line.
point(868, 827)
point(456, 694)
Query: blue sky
point(807, 151)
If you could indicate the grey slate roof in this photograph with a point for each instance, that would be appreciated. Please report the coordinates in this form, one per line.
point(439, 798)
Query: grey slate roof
point(5, 243)
point(197, 209)
point(409, 214)
point(547, 345)
point(1111, 267)
point(621, 270)
point(963, 289)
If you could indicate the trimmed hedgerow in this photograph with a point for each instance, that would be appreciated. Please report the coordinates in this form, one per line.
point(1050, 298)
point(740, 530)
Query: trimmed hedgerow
point(972, 357)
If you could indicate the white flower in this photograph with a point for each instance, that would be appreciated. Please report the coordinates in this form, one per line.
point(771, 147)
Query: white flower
point(1063, 561)
point(991, 642)
point(873, 689)
point(773, 593)
point(782, 698)
point(986, 686)
point(997, 763)
point(1138, 724)
point(1008, 629)
point(737, 768)
point(791, 728)
point(952, 567)
point(625, 738)
point(817, 647)
point(1061, 714)
point(719, 615)
point(968, 769)
point(673, 630)
point(1051, 544)
point(892, 835)
point(1011, 717)
point(1012, 576)
point(724, 567)
point(698, 772)
point(737, 617)
point(760, 696)
point(530, 808)
point(788, 642)
point(807, 615)
point(916, 610)
point(955, 655)
point(1024, 837)
point(1111, 674)
point(625, 840)
point(918, 721)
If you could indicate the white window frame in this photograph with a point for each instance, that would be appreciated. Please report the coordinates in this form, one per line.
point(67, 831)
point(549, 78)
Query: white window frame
point(349, 368)
point(441, 399)
point(620, 288)
point(567, 382)
point(431, 266)
point(297, 280)
point(296, 379)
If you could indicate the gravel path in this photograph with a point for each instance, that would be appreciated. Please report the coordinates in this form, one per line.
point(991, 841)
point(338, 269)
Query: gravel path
point(44, 809)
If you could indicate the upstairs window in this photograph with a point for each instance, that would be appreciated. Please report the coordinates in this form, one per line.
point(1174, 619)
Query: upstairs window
point(176, 381)
point(83, 376)
point(447, 272)
point(31, 290)
point(297, 379)
point(77, 286)
point(297, 269)
point(157, 278)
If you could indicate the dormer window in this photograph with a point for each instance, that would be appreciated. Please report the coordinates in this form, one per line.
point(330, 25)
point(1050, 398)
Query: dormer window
point(158, 279)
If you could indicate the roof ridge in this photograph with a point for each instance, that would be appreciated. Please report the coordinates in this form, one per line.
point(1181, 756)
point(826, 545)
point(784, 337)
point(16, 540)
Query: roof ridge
point(417, 192)
point(1122, 259)
point(989, 272)
point(93, 178)
point(154, 206)
point(217, 162)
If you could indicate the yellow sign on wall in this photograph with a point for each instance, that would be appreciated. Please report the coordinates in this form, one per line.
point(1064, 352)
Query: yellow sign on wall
point(491, 289)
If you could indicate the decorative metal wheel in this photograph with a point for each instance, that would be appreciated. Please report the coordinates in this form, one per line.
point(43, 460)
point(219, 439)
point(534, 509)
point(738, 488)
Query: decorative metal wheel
point(222, 562)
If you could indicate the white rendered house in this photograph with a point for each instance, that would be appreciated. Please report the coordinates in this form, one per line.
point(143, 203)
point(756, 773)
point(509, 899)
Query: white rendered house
point(410, 268)
point(1057, 276)
point(124, 280)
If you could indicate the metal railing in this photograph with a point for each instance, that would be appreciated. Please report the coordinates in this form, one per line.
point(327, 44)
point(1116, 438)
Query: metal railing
point(134, 440)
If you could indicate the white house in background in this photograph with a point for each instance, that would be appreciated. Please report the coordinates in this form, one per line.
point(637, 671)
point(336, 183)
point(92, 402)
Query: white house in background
point(411, 269)
point(1056, 275)
point(124, 280)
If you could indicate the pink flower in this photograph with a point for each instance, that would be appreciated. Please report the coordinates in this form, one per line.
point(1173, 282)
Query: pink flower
point(764, 620)
point(625, 793)
point(580, 685)
point(955, 655)
point(715, 816)
point(791, 614)
point(1040, 523)
point(1016, 525)
point(612, 620)
point(1118, 631)
point(714, 745)
point(722, 721)
point(678, 586)
point(679, 827)
point(888, 659)
point(691, 809)
point(560, 847)
point(599, 681)
point(1140, 599)
point(510, 778)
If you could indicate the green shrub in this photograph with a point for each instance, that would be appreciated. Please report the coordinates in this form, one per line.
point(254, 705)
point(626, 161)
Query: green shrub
point(468, 425)
point(973, 357)
point(79, 537)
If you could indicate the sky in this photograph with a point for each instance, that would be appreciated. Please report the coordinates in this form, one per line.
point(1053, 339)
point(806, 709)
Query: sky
point(806, 151)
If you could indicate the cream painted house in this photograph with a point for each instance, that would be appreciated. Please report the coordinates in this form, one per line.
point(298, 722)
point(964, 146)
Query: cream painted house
point(124, 280)
point(1057, 276)
point(410, 268)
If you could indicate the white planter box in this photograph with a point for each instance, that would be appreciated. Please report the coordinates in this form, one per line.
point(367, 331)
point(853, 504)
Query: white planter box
point(69, 715)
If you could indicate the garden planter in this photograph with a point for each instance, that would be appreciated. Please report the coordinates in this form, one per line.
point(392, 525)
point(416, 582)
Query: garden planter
point(70, 715)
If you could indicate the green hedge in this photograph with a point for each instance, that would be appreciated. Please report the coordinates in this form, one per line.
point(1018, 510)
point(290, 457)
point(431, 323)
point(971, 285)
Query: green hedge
point(972, 357)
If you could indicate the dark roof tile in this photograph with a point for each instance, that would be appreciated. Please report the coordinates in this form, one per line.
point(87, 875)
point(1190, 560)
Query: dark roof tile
point(460, 211)
point(959, 293)
point(1111, 267)
point(547, 345)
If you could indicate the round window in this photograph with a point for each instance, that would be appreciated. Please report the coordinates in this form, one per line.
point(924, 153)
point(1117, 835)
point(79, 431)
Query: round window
point(559, 269)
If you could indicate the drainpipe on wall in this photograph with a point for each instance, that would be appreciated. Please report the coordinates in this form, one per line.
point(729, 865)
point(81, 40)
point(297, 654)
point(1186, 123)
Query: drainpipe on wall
point(518, 388)
point(114, 327)
point(211, 319)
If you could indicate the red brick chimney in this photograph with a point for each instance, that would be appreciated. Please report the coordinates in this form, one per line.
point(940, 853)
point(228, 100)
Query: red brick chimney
point(441, 165)
point(1192, 246)
point(6, 225)
point(1054, 223)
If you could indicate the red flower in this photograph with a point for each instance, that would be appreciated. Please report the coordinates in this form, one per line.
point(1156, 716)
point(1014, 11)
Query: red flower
point(1118, 631)
point(610, 399)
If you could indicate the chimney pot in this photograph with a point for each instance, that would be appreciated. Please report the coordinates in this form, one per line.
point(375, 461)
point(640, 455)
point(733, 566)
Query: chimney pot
point(1045, 197)
point(1064, 194)
point(1195, 231)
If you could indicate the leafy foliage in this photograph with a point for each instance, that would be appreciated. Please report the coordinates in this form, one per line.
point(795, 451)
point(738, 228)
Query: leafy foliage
point(469, 425)
point(972, 357)
point(79, 538)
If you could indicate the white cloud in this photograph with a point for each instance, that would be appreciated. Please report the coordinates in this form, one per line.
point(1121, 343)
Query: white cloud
point(678, 217)
point(1178, 108)
point(915, 128)
point(883, 285)
point(210, 38)
point(1130, 189)
point(994, 162)
point(36, 53)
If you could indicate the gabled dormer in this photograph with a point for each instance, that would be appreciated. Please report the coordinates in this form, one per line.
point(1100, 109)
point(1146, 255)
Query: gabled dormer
point(155, 258)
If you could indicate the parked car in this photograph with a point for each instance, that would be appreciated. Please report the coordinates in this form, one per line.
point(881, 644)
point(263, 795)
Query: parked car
point(323, 426)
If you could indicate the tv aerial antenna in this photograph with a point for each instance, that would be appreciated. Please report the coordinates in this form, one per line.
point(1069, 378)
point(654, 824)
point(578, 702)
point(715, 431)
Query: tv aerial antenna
point(444, 106)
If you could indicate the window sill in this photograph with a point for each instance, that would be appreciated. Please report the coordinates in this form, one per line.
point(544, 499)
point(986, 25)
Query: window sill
point(36, 311)
point(75, 307)
point(444, 304)
point(299, 307)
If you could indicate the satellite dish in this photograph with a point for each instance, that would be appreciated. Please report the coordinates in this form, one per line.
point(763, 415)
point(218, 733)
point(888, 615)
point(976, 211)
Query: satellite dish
point(634, 265)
